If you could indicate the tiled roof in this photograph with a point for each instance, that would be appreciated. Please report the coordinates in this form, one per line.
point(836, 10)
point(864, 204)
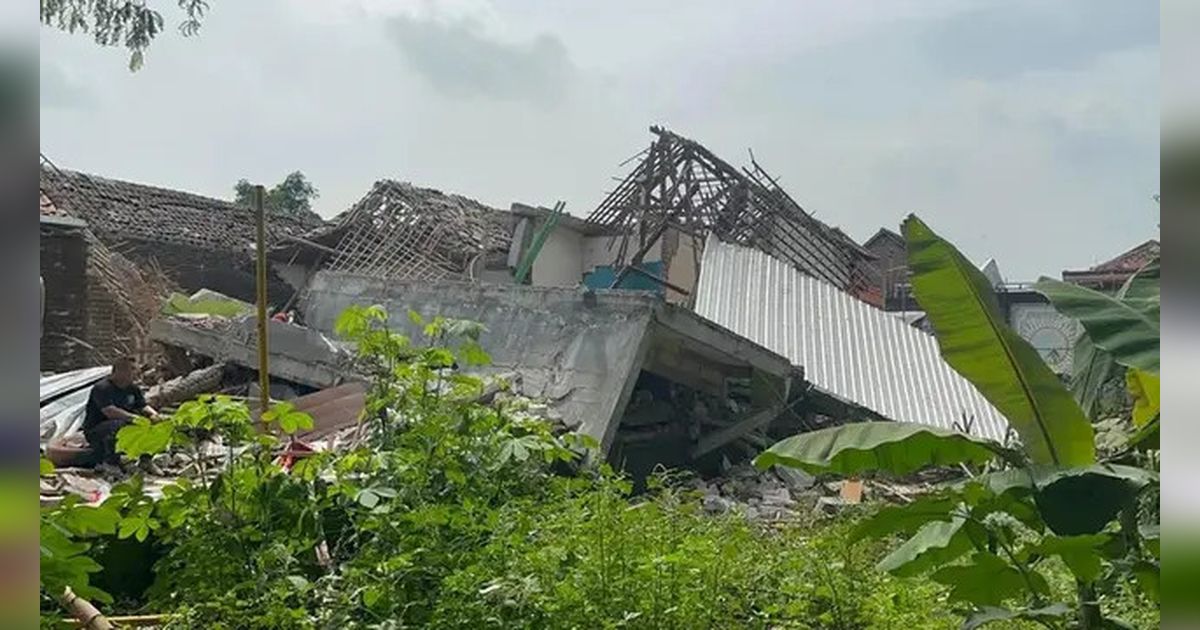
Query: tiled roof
point(1133, 259)
point(118, 210)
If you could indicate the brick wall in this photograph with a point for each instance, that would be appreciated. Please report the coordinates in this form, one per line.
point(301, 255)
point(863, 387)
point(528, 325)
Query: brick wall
point(64, 254)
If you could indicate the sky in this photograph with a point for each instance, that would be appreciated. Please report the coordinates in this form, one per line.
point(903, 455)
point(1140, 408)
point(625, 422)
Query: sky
point(1025, 131)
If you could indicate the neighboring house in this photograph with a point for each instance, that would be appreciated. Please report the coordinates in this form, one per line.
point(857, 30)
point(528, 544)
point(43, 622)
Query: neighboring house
point(1112, 274)
point(889, 273)
point(1028, 312)
point(197, 242)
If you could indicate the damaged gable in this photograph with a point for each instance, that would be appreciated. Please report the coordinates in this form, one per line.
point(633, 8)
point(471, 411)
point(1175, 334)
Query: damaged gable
point(683, 187)
point(403, 231)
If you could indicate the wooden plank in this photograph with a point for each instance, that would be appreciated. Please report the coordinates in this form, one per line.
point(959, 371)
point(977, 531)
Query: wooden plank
point(743, 426)
point(663, 281)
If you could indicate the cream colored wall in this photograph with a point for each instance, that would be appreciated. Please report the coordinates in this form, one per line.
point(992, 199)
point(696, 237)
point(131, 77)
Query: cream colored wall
point(560, 263)
point(596, 252)
point(681, 269)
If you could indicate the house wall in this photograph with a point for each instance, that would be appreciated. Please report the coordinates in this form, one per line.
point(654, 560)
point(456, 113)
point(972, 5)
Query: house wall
point(598, 253)
point(682, 270)
point(560, 262)
point(63, 254)
point(891, 269)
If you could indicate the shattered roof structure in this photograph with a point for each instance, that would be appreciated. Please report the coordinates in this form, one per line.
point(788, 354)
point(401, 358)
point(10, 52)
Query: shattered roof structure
point(117, 211)
point(847, 348)
point(679, 183)
point(403, 231)
point(884, 234)
point(1113, 273)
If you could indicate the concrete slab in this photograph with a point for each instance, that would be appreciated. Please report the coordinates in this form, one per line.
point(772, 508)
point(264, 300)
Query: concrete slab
point(581, 349)
point(297, 354)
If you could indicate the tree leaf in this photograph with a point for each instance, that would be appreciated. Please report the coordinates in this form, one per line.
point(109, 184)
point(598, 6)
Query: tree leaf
point(1091, 367)
point(934, 544)
point(976, 342)
point(990, 614)
point(986, 579)
point(45, 467)
point(1071, 501)
point(1145, 388)
point(1150, 536)
point(1081, 554)
point(86, 519)
point(141, 437)
point(1081, 501)
point(1147, 574)
point(905, 519)
point(896, 447)
point(368, 499)
point(1128, 330)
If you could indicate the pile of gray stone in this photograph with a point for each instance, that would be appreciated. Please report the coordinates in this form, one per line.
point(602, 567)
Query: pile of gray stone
point(770, 495)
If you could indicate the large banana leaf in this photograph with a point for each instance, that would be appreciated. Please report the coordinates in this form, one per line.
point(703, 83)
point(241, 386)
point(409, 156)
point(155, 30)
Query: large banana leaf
point(1125, 329)
point(976, 342)
point(1072, 501)
point(1145, 389)
point(1091, 367)
point(892, 446)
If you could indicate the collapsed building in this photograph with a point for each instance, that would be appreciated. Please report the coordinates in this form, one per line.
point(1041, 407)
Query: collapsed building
point(616, 324)
point(626, 324)
point(680, 192)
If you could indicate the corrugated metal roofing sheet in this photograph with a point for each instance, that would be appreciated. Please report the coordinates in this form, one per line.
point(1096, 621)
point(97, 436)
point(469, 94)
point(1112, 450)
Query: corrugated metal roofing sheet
point(846, 347)
point(54, 385)
point(62, 400)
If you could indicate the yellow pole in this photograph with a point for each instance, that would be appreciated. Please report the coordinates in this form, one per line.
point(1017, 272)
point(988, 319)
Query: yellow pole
point(264, 376)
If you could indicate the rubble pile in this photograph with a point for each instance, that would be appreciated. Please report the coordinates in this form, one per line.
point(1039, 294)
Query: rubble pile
point(771, 495)
point(780, 494)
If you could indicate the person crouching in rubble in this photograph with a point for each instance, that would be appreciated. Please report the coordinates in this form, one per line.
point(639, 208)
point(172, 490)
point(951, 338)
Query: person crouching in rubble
point(113, 403)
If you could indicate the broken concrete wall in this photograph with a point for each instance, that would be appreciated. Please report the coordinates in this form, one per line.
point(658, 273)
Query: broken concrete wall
point(297, 354)
point(582, 351)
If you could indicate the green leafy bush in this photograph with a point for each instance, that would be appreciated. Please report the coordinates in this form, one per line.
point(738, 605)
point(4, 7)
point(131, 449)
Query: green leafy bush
point(452, 513)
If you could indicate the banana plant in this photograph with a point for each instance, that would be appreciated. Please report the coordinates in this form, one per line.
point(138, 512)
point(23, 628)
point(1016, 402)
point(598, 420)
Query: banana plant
point(989, 537)
point(1122, 331)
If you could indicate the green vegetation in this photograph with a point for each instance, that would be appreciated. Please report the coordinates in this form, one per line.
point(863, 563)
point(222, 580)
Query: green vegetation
point(991, 538)
point(119, 22)
point(452, 513)
point(291, 197)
